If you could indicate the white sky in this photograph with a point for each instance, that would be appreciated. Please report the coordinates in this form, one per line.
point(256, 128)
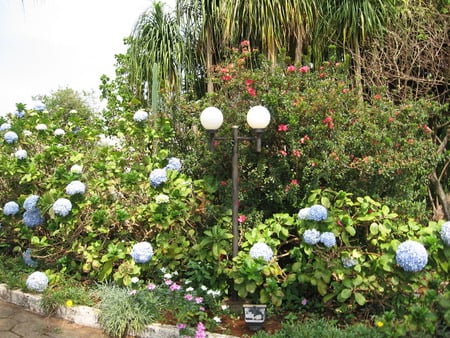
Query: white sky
point(50, 44)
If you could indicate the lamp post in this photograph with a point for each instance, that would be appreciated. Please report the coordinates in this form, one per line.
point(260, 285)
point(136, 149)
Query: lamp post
point(258, 118)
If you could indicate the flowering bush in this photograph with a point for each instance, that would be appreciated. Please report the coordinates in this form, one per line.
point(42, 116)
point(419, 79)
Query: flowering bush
point(140, 116)
point(37, 281)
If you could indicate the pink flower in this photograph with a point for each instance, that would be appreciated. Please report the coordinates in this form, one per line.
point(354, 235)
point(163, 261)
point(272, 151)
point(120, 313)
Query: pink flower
point(304, 69)
point(175, 287)
point(296, 153)
point(198, 300)
point(168, 282)
point(304, 301)
point(200, 333)
point(224, 70)
point(223, 183)
point(304, 139)
point(181, 326)
point(291, 68)
point(322, 75)
point(377, 96)
point(345, 91)
point(245, 43)
point(226, 77)
point(251, 91)
point(248, 82)
point(151, 286)
point(294, 182)
point(242, 218)
point(283, 127)
point(427, 129)
point(132, 292)
point(189, 297)
point(283, 153)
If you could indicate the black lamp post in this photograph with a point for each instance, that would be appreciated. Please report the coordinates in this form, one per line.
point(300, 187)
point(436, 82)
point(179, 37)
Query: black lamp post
point(258, 118)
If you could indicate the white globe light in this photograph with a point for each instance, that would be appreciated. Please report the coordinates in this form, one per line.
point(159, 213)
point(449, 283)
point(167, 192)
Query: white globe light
point(258, 117)
point(211, 118)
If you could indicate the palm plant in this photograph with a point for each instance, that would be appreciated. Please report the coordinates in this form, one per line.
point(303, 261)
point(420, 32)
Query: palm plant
point(353, 22)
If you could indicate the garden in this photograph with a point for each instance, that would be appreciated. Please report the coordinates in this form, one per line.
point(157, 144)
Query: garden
point(129, 211)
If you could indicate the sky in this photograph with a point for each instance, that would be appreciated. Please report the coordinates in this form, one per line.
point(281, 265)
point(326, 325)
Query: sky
point(46, 45)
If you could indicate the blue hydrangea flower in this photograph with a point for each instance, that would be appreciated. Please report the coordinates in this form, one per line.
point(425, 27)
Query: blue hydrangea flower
point(328, 239)
point(75, 187)
point(30, 202)
point(10, 208)
point(174, 164)
point(21, 154)
point(32, 218)
point(445, 233)
point(142, 252)
point(62, 207)
point(318, 213)
point(27, 258)
point(76, 169)
point(261, 250)
point(303, 214)
point(311, 236)
point(19, 114)
point(37, 281)
point(411, 256)
point(157, 177)
point(140, 116)
point(10, 137)
point(5, 126)
point(40, 107)
point(348, 262)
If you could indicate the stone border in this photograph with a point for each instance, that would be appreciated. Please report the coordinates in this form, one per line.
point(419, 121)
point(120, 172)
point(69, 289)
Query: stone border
point(85, 315)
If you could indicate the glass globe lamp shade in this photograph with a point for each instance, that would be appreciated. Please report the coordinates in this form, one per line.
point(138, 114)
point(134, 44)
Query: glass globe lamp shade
point(258, 117)
point(211, 118)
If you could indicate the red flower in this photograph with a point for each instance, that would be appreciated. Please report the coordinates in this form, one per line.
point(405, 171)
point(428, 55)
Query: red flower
point(245, 43)
point(226, 77)
point(304, 69)
point(294, 182)
point(329, 122)
point(242, 218)
point(377, 96)
point(291, 68)
point(224, 70)
point(251, 91)
point(345, 91)
point(296, 153)
point(390, 119)
point(304, 139)
point(283, 153)
point(322, 75)
point(283, 127)
point(248, 82)
point(427, 129)
point(223, 183)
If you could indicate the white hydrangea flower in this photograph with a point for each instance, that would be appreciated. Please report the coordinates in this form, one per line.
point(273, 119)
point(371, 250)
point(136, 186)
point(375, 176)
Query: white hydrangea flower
point(162, 198)
point(59, 132)
point(75, 187)
point(140, 116)
point(21, 154)
point(445, 233)
point(37, 281)
point(41, 127)
point(76, 169)
point(62, 207)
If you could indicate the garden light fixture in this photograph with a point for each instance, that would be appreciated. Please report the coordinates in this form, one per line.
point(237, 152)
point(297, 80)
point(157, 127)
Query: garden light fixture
point(258, 118)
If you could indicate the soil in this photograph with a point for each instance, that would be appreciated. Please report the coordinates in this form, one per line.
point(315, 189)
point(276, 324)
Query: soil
point(238, 328)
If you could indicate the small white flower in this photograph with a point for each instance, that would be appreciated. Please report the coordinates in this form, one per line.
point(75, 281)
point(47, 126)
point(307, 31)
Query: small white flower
point(73, 111)
point(217, 319)
point(224, 307)
point(41, 127)
point(27, 133)
point(190, 289)
point(167, 276)
point(162, 198)
point(134, 280)
point(204, 288)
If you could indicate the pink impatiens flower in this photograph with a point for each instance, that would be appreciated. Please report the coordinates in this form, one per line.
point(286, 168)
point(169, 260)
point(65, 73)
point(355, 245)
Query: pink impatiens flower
point(291, 69)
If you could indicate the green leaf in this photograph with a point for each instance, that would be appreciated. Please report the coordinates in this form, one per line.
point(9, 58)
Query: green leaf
point(351, 230)
point(344, 295)
point(374, 228)
point(360, 299)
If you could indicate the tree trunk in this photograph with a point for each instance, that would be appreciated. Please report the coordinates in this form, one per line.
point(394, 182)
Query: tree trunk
point(209, 61)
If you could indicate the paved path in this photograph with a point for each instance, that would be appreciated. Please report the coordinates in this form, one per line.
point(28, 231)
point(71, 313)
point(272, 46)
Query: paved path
point(16, 322)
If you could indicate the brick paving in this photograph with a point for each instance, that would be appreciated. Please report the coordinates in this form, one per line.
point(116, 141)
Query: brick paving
point(16, 322)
